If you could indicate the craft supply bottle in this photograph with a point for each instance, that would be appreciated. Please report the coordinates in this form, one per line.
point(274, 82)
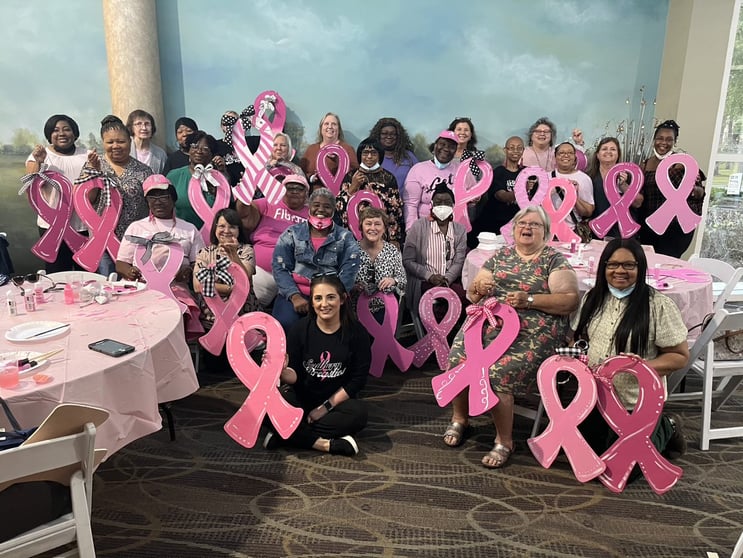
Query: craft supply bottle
point(10, 303)
point(591, 264)
point(30, 301)
point(572, 246)
point(69, 294)
point(39, 293)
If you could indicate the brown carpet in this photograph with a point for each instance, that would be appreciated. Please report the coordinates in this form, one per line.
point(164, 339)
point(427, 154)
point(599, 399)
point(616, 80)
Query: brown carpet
point(404, 495)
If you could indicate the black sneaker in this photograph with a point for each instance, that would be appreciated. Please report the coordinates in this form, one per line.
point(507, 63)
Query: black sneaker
point(344, 446)
point(271, 441)
point(676, 446)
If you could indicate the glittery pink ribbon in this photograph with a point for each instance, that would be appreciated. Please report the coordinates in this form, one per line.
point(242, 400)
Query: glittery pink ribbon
point(435, 339)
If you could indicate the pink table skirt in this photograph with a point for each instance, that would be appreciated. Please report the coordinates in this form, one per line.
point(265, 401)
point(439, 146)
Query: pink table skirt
point(694, 300)
point(129, 387)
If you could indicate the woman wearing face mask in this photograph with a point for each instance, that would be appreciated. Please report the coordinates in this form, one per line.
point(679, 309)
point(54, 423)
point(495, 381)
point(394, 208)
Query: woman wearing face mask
point(674, 241)
point(623, 314)
point(372, 177)
point(184, 126)
point(425, 176)
point(434, 250)
point(308, 249)
point(329, 132)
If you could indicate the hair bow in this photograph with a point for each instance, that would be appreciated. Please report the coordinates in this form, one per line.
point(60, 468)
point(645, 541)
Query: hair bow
point(204, 174)
point(579, 350)
point(108, 183)
point(487, 308)
point(148, 243)
point(245, 117)
point(474, 156)
point(215, 271)
point(228, 121)
point(28, 179)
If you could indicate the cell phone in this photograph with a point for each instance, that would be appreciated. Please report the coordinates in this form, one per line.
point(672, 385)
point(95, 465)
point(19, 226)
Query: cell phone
point(111, 348)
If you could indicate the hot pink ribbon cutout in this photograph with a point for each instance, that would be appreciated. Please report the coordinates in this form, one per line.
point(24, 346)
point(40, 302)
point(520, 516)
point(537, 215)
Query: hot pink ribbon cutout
point(473, 373)
point(332, 182)
point(160, 279)
point(619, 210)
point(562, 431)
point(262, 381)
point(199, 204)
point(384, 344)
point(225, 311)
point(522, 196)
point(560, 228)
point(675, 204)
point(256, 175)
point(352, 209)
point(435, 338)
point(634, 429)
point(47, 247)
point(100, 227)
point(463, 194)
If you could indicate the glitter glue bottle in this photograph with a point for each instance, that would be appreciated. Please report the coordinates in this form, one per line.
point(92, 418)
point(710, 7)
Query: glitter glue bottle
point(10, 303)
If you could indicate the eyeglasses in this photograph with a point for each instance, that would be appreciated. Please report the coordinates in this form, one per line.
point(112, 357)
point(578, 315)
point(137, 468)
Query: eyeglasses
point(515, 148)
point(565, 154)
point(324, 274)
point(162, 198)
point(627, 266)
point(295, 188)
point(142, 125)
point(525, 225)
point(200, 149)
point(543, 132)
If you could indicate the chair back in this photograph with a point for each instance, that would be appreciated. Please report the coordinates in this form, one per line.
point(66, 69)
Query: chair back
point(726, 274)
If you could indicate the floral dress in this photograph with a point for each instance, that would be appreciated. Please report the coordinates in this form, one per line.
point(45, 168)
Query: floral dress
point(540, 334)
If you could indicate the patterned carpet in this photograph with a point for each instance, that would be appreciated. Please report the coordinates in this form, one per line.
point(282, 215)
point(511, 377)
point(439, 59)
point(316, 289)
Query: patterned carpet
point(404, 495)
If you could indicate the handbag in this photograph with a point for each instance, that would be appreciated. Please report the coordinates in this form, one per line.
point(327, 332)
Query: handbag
point(729, 345)
point(13, 438)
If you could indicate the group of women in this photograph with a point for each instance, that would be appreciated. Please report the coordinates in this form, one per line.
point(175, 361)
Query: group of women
point(318, 270)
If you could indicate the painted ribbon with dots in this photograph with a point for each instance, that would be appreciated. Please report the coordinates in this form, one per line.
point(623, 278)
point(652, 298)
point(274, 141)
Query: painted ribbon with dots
point(435, 340)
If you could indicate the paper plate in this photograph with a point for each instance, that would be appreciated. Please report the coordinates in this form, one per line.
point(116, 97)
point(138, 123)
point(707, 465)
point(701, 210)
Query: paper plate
point(128, 287)
point(22, 333)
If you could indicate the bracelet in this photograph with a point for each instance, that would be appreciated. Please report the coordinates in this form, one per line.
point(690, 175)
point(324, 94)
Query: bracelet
point(328, 405)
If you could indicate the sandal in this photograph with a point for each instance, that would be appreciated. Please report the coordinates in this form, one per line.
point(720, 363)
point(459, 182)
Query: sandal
point(497, 457)
point(456, 431)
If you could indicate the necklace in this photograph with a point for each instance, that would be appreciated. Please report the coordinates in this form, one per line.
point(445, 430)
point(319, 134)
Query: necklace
point(546, 163)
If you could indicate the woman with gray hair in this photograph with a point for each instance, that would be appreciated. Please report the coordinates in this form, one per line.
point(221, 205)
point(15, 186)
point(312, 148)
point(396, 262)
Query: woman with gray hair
point(305, 250)
point(539, 283)
point(281, 156)
point(539, 141)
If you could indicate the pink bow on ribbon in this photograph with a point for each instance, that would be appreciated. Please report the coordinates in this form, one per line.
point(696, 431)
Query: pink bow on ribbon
point(435, 339)
point(384, 344)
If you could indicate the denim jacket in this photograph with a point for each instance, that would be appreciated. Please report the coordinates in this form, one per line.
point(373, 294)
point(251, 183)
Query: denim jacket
point(294, 253)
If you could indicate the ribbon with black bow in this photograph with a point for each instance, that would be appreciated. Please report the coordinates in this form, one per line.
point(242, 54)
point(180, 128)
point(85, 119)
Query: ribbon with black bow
point(229, 121)
point(487, 308)
point(157, 238)
point(474, 156)
point(215, 272)
point(204, 174)
point(108, 183)
point(266, 104)
point(28, 179)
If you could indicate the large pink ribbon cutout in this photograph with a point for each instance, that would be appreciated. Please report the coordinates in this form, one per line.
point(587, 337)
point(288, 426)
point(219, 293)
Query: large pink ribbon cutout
point(472, 372)
point(256, 176)
point(463, 195)
point(160, 279)
point(262, 381)
point(562, 431)
point(352, 209)
point(435, 339)
point(560, 228)
point(332, 182)
point(522, 195)
point(676, 204)
point(225, 311)
point(196, 192)
point(47, 247)
point(633, 428)
point(101, 228)
point(619, 210)
point(384, 344)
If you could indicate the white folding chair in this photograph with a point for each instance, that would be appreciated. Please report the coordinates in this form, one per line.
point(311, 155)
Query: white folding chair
point(730, 372)
point(726, 275)
point(68, 457)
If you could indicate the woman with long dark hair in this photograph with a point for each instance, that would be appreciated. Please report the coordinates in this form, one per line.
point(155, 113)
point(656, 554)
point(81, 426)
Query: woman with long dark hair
point(398, 149)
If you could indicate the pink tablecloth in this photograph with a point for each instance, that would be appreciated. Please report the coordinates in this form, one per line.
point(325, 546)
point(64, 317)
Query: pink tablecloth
point(129, 387)
point(694, 300)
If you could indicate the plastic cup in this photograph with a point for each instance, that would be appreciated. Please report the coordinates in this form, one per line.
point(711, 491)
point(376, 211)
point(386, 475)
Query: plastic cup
point(8, 374)
point(76, 281)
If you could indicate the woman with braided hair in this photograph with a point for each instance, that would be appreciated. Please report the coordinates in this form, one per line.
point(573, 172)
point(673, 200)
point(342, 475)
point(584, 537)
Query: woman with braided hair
point(398, 149)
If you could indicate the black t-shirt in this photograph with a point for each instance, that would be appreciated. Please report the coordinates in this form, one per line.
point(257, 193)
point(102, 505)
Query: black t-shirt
point(327, 362)
point(496, 213)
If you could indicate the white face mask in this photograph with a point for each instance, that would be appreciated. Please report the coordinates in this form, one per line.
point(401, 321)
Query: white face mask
point(369, 169)
point(442, 212)
point(621, 293)
point(440, 166)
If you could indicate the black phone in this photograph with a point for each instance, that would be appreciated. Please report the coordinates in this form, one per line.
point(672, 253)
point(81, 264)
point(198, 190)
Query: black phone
point(111, 347)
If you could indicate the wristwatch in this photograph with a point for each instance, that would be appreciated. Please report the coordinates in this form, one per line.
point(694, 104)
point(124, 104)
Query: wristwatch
point(328, 405)
point(529, 301)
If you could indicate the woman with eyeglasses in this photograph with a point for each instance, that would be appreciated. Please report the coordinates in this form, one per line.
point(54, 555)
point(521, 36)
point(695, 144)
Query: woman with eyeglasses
point(539, 283)
point(202, 150)
point(141, 126)
point(539, 142)
point(398, 149)
point(326, 367)
point(623, 314)
point(566, 168)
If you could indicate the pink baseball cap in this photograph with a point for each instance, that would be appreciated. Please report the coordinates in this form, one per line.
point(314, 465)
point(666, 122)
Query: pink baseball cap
point(155, 182)
point(295, 179)
point(448, 134)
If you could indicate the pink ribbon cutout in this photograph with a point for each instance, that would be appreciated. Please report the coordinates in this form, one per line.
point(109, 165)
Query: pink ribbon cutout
point(560, 228)
point(619, 210)
point(101, 228)
point(634, 429)
point(198, 201)
point(435, 339)
point(47, 247)
point(384, 344)
point(256, 175)
point(675, 204)
point(262, 381)
point(463, 194)
point(473, 373)
point(332, 182)
point(160, 279)
point(522, 196)
point(352, 209)
point(225, 311)
point(562, 431)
